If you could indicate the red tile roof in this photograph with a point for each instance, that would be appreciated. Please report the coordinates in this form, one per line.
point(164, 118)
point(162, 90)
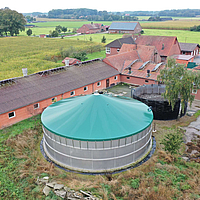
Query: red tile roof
point(162, 43)
point(117, 61)
point(143, 73)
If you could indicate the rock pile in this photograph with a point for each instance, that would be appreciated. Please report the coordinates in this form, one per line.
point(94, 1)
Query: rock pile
point(63, 191)
point(192, 141)
point(193, 149)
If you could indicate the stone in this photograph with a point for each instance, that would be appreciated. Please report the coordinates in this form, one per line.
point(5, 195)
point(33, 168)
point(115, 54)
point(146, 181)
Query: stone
point(58, 186)
point(185, 158)
point(46, 190)
point(60, 193)
point(51, 185)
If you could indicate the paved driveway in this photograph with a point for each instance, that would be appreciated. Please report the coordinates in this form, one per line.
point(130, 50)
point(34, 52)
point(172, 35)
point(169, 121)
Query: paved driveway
point(197, 59)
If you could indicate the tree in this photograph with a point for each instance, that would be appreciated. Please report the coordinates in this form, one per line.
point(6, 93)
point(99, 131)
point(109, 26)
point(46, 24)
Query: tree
point(11, 22)
point(179, 83)
point(80, 55)
point(172, 142)
point(54, 33)
point(29, 32)
point(103, 40)
point(58, 28)
point(64, 29)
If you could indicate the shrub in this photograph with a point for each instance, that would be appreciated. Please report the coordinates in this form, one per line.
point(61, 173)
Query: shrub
point(172, 142)
point(135, 183)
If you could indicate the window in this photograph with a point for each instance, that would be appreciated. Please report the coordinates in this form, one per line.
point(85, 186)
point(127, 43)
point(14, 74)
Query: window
point(36, 106)
point(115, 78)
point(194, 91)
point(146, 81)
point(72, 93)
point(118, 50)
point(54, 99)
point(11, 114)
point(108, 50)
point(98, 84)
point(85, 88)
point(128, 77)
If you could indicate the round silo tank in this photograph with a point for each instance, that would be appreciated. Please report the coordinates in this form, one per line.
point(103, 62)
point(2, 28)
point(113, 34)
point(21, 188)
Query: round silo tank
point(97, 133)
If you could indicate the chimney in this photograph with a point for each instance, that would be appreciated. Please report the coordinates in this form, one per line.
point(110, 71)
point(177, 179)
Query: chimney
point(67, 63)
point(129, 70)
point(24, 71)
point(163, 46)
point(148, 72)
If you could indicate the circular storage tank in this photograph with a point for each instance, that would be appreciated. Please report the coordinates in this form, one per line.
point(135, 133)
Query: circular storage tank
point(151, 95)
point(97, 133)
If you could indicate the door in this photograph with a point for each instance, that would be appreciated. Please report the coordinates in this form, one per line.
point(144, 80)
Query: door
point(107, 83)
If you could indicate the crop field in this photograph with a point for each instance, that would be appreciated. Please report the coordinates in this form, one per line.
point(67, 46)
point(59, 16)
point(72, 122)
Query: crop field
point(32, 53)
point(172, 25)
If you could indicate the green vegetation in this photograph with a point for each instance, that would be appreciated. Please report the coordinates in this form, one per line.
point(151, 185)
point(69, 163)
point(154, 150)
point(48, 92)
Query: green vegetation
point(179, 83)
point(11, 22)
point(172, 142)
point(36, 54)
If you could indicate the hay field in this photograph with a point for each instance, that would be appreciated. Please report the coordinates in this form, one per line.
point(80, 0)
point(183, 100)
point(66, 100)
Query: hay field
point(172, 25)
point(30, 52)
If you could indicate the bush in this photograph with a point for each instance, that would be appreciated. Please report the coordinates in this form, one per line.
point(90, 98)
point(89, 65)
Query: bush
point(135, 183)
point(172, 142)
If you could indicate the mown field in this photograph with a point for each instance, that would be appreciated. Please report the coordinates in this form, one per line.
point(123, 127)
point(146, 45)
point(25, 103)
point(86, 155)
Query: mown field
point(50, 24)
point(162, 177)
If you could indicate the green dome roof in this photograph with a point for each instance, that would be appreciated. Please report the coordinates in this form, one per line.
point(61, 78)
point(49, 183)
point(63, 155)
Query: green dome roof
point(97, 117)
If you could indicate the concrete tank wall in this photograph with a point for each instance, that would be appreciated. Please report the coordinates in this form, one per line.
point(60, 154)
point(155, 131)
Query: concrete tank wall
point(97, 156)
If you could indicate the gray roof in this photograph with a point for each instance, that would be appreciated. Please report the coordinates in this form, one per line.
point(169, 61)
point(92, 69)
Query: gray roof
point(188, 46)
point(36, 87)
point(123, 26)
point(119, 42)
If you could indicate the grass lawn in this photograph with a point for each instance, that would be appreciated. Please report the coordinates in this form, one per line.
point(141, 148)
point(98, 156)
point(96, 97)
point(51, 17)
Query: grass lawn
point(183, 36)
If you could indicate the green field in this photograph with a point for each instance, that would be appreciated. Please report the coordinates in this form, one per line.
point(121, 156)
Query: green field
point(32, 53)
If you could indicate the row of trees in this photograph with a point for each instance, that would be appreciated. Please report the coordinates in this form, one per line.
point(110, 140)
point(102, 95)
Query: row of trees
point(11, 22)
point(88, 14)
point(94, 15)
point(195, 28)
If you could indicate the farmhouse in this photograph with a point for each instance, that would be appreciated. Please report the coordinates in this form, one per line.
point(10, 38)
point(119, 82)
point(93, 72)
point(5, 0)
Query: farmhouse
point(115, 46)
point(189, 48)
point(165, 45)
point(125, 27)
point(92, 28)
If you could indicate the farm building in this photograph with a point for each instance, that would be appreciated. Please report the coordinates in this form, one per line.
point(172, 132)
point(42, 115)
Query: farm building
point(189, 48)
point(125, 27)
point(114, 47)
point(184, 59)
point(92, 28)
point(21, 98)
point(97, 133)
point(165, 45)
